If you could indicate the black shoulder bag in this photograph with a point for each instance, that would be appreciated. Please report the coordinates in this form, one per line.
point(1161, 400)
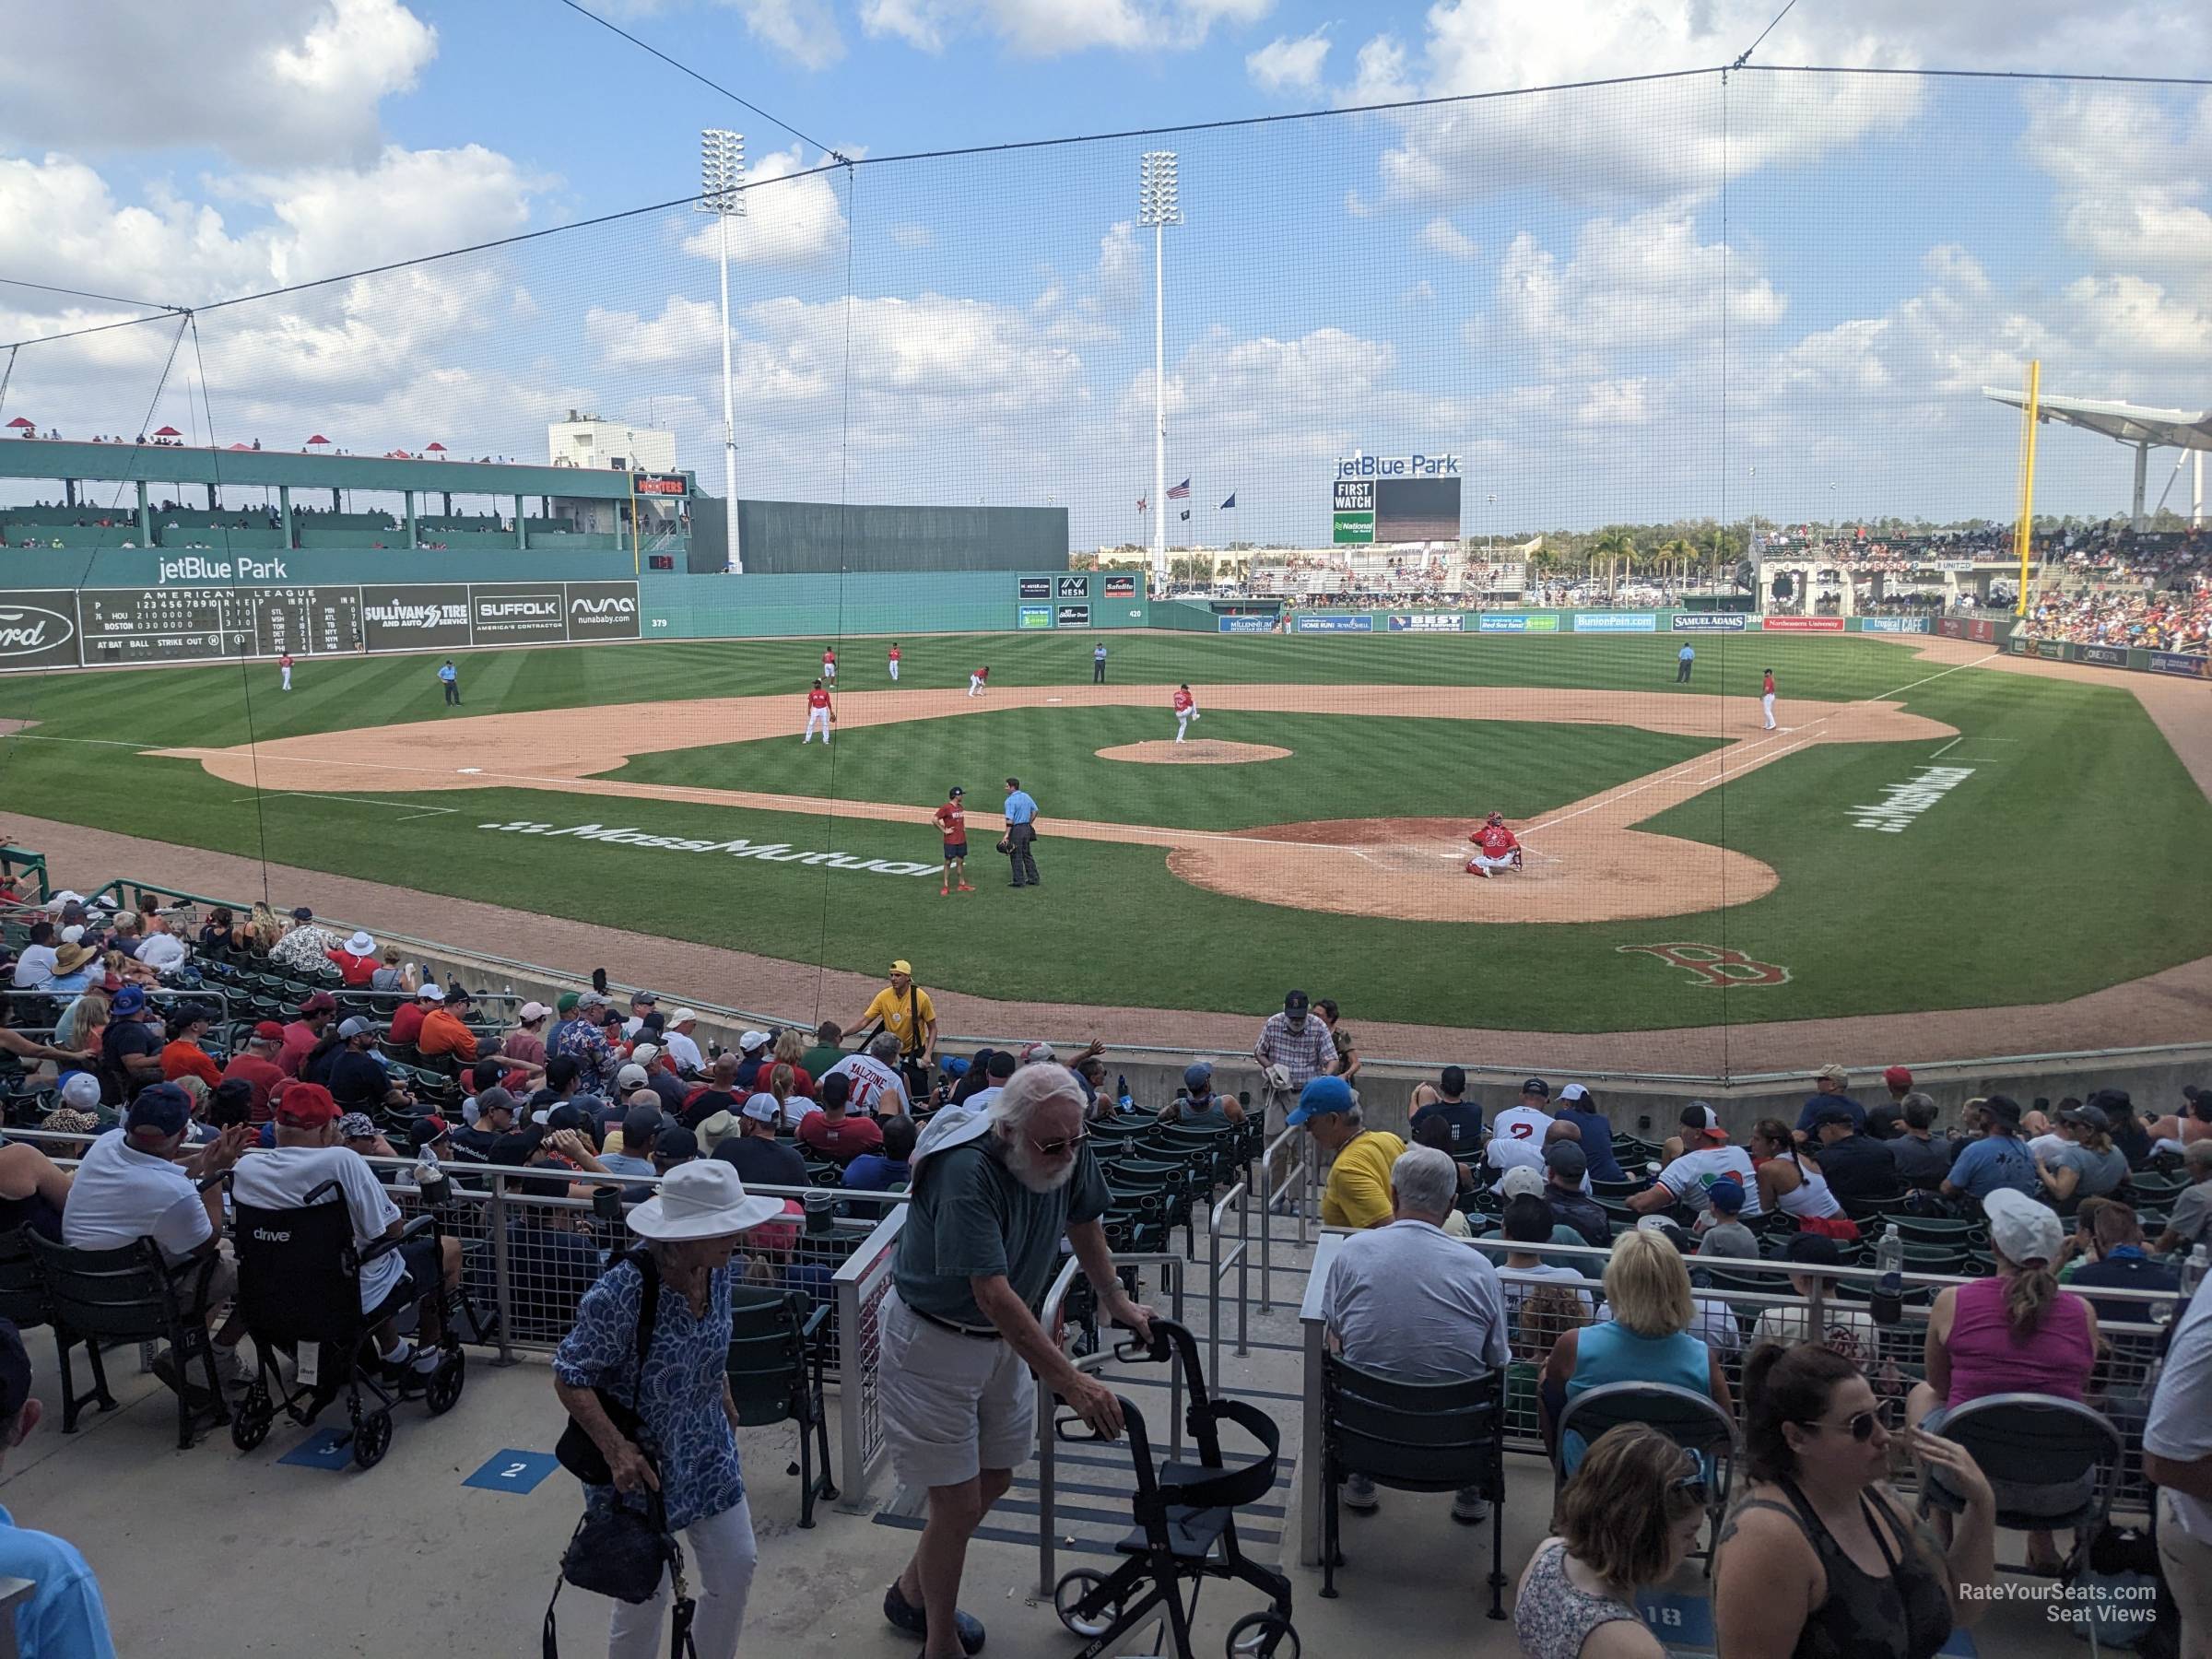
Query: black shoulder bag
point(618, 1551)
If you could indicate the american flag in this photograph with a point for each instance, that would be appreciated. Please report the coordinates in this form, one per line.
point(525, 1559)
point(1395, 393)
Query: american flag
point(1182, 492)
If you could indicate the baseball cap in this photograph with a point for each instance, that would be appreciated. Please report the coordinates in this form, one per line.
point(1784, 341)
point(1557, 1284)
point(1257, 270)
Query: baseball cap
point(1700, 1118)
point(639, 1123)
point(1726, 1196)
point(1037, 1053)
point(14, 1371)
point(955, 1065)
point(957, 791)
point(1320, 1098)
point(565, 1003)
point(321, 1002)
point(1574, 1091)
point(1197, 1075)
point(1669, 1230)
point(592, 999)
point(1567, 1159)
point(430, 993)
point(356, 1126)
point(306, 1106)
point(645, 1054)
point(677, 1142)
point(1897, 1076)
point(902, 966)
point(532, 1010)
point(356, 1027)
point(268, 1030)
point(682, 1016)
point(460, 994)
point(1536, 1086)
point(428, 1129)
point(163, 1109)
point(632, 1076)
point(80, 1090)
point(72, 934)
point(2092, 1117)
point(1832, 1073)
point(2025, 1232)
point(1294, 999)
point(762, 1109)
point(1000, 1063)
point(1815, 1249)
point(301, 913)
point(130, 1000)
point(492, 1100)
point(751, 1040)
point(1521, 1181)
point(1824, 1115)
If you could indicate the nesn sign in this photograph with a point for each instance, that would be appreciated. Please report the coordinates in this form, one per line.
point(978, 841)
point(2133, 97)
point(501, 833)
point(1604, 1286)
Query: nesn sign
point(1398, 466)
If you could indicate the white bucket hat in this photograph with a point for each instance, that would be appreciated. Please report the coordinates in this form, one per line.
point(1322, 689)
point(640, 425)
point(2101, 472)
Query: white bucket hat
point(361, 944)
point(703, 1199)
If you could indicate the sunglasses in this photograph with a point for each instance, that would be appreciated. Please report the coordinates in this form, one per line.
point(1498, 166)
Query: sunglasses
point(1057, 1146)
point(1860, 1424)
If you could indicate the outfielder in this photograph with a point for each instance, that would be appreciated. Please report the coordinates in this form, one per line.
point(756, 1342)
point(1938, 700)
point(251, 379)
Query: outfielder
point(1495, 847)
point(978, 679)
point(1186, 710)
point(818, 714)
point(1766, 698)
point(284, 664)
point(829, 664)
point(892, 662)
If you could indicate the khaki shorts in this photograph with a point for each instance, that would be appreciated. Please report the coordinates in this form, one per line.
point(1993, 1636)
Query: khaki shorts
point(2188, 1563)
point(952, 1405)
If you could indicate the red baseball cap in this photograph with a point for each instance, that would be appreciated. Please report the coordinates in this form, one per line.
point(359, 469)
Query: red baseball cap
point(306, 1106)
point(322, 1001)
point(1897, 1076)
point(268, 1030)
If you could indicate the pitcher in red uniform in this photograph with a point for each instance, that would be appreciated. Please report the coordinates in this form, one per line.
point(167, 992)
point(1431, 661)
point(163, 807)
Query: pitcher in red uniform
point(1186, 710)
point(1495, 847)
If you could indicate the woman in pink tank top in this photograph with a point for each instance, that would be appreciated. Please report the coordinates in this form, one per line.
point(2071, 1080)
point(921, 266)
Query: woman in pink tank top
point(2014, 1333)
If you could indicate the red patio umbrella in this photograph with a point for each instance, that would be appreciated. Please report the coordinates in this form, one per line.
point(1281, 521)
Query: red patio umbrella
point(317, 439)
point(20, 421)
point(244, 446)
point(435, 447)
point(169, 432)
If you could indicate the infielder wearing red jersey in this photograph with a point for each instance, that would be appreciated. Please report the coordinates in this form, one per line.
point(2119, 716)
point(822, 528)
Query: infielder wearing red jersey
point(818, 714)
point(1495, 847)
point(1186, 710)
point(952, 822)
point(977, 678)
point(892, 662)
point(829, 664)
point(1766, 698)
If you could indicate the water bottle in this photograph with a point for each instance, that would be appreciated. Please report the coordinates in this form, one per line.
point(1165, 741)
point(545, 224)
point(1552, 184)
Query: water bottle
point(2195, 1270)
point(429, 1180)
point(1890, 1290)
point(1121, 1092)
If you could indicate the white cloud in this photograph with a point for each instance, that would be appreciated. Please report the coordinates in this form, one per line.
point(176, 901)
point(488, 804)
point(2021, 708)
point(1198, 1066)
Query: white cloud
point(803, 31)
point(1379, 73)
point(1421, 293)
point(1051, 28)
point(792, 214)
point(273, 83)
point(1441, 236)
point(1289, 63)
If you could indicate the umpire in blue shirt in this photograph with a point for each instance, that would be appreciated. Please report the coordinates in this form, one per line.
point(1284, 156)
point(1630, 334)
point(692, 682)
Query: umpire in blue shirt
point(1021, 834)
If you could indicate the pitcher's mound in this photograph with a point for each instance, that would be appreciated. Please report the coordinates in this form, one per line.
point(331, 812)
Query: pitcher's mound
point(1195, 751)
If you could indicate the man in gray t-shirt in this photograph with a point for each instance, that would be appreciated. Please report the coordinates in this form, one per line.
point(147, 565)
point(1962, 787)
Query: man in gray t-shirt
point(994, 1193)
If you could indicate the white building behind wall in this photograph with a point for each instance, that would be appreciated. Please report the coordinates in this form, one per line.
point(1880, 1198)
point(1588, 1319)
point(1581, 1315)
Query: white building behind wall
point(586, 441)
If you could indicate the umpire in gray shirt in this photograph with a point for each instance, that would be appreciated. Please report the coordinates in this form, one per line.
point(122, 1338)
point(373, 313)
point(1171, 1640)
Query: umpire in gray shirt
point(1407, 1302)
point(995, 1192)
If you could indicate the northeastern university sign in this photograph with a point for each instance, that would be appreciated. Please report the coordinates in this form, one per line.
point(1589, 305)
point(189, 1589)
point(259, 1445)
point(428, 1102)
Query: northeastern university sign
point(767, 851)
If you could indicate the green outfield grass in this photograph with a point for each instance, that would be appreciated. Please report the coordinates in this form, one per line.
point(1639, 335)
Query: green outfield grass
point(1339, 766)
point(2065, 863)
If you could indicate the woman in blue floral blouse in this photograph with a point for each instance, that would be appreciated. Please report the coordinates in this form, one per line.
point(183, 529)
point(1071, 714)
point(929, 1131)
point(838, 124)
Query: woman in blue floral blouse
point(691, 1228)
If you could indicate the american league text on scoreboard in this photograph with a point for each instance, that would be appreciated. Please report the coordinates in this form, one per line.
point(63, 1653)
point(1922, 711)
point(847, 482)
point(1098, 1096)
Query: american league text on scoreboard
point(1395, 499)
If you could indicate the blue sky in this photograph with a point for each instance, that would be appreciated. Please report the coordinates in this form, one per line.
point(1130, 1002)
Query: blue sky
point(1606, 312)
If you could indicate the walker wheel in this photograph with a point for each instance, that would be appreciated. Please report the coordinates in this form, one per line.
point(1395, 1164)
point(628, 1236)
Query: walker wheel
point(1068, 1596)
point(249, 1427)
point(1263, 1636)
point(372, 1440)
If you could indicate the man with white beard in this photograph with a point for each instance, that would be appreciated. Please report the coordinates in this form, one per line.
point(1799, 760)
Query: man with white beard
point(994, 1194)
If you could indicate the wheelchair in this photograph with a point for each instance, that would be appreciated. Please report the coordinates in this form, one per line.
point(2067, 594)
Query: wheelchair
point(300, 1292)
point(1186, 1530)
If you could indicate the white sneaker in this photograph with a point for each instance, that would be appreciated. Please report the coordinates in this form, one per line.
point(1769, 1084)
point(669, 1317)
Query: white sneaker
point(1359, 1495)
point(1469, 1510)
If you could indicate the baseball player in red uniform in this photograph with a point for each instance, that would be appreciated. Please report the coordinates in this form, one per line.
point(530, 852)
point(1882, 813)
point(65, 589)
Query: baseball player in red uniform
point(978, 679)
point(892, 662)
point(1186, 710)
point(952, 823)
point(829, 664)
point(818, 714)
point(1766, 698)
point(284, 666)
point(1495, 847)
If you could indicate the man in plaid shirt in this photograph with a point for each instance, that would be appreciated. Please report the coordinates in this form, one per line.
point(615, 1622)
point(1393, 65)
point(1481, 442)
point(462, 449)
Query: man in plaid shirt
point(1294, 1048)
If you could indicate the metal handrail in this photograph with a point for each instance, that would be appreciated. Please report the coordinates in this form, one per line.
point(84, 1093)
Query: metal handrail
point(1217, 1265)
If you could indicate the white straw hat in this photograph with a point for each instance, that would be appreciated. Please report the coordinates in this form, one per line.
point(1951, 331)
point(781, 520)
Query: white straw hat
point(703, 1199)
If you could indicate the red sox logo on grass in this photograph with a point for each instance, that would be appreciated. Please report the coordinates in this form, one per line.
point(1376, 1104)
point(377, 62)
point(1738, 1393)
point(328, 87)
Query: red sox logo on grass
point(1715, 964)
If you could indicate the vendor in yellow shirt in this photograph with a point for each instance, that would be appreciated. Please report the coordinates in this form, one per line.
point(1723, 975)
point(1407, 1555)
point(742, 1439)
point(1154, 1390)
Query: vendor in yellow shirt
point(1359, 1191)
point(904, 1010)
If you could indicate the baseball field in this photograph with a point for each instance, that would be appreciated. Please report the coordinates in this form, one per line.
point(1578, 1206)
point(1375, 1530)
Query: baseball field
point(1927, 829)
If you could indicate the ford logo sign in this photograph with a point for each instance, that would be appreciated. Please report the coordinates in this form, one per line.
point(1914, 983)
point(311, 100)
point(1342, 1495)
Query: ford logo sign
point(28, 629)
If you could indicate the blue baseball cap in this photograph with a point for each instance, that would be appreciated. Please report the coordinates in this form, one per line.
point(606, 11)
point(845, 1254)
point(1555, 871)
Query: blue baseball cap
point(954, 1067)
point(1322, 1096)
point(1197, 1074)
point(1726, 1196)
point(131, 999)
point(163, 1109)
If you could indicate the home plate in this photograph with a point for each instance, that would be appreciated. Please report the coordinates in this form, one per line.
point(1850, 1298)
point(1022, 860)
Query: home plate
point(470, 772)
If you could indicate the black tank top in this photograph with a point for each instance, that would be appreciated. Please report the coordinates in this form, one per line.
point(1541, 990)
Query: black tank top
point(35, 1208)
point(1905, 1612)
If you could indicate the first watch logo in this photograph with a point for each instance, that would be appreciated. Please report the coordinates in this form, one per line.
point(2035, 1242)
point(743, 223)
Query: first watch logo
point(1714, 964)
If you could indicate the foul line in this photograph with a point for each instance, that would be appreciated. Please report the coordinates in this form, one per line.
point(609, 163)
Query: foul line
point(313, 794)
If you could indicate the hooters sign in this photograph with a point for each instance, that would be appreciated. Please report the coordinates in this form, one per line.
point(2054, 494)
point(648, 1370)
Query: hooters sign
point(1714, 964)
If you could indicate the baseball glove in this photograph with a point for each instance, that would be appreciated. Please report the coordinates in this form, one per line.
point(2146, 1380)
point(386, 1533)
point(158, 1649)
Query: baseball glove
point(1004, 845)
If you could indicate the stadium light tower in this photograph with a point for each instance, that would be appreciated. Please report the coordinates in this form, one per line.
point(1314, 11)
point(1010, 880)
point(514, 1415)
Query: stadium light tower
point(1158, 206)
point(722, 193)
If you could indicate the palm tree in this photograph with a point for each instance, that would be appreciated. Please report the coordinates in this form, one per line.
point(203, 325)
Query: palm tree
point(1615, 548)
point(1679, 554)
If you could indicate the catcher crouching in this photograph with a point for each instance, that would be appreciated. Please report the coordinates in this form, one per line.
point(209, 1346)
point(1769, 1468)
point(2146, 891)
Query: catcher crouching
point(1495, 847)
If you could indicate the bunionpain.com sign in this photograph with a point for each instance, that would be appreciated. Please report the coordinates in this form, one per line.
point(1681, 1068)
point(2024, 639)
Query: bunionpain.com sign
point(1616, 622)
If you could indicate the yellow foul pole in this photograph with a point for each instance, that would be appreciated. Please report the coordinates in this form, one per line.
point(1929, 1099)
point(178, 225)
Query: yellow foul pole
point(2023, 534)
